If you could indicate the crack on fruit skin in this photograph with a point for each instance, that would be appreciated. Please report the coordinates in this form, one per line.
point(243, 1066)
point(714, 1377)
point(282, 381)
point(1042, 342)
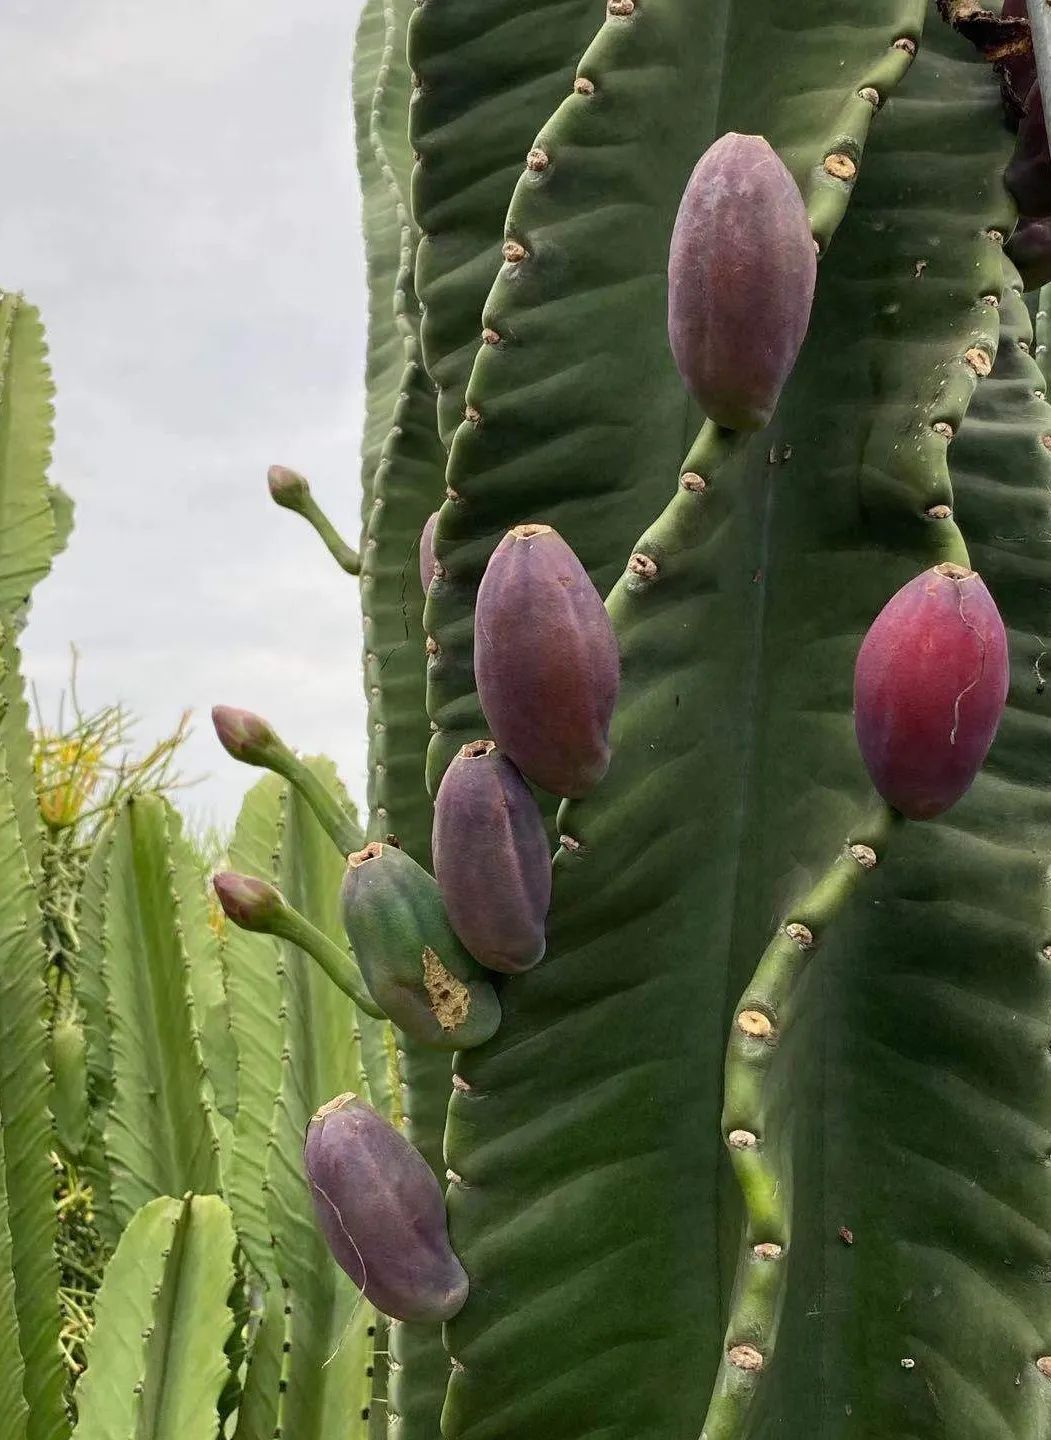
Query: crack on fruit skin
point(977, 679)
point(449, 998)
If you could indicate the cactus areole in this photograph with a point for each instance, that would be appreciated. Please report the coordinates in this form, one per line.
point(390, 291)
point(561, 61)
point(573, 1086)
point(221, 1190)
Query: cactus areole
point(930, 687)
point(741, 276)
point(382, 1213)
point(546, 661)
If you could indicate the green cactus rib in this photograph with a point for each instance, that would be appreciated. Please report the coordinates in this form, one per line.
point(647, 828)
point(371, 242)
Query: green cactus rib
point(610, 1035)
point(155, 1114)
point(763, 1016)
point(28, 533)
point(384, 358)
point(14, 1412)
point(17, 740)
point(1042, 332)
point(325, 1336)
point(30, 1279)
point(486, 77)
point(156, 1364)
point(257, 1411)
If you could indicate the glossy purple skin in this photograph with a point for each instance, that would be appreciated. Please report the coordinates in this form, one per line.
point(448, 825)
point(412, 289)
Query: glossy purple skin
point(741, 274)
point(427, 552)
point(1028, 174)
point(248, 901)
point(1030, 249)
point(491, 859)
point(1017, 72)
point(930, 687)
point(382, 1213)
point(545, 661)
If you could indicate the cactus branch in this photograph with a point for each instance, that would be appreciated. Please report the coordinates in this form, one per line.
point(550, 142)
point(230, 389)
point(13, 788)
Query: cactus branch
point(760, 1024)
point(291, 491)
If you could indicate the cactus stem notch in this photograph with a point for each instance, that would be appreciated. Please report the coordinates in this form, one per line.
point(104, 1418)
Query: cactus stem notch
point(490, 336)
point(513, 252)
point(537, 160)
point(939, 512)
point(643, 566)
point(944, 429)
point(568, 843)
point(870, 95)
point(1043, 1364)
point(755, 1023)
point(620, 8)
point(768, 1250)
point(742, 1140)
point(865, 856)
point(583, 86)
point(800, 933)
point(695, 484)
point(903, 42)
point(746, 1357)
point(979, 361)
point(840, 166)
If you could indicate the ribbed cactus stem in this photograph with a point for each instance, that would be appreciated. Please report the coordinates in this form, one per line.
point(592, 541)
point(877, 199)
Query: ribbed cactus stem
point(761, 1021)
point(1040, 25)
point(290, 490)
point(252, 740)
point(260, 907)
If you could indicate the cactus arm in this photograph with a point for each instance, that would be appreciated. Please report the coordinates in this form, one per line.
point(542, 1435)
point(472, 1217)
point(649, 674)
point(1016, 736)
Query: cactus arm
point(156, 1364)
point(28, 538)
point(29, 1215)
point(763, 1016)
point(161, 1129)
point(487, 77)
point(320, 1057)
point(298, 498)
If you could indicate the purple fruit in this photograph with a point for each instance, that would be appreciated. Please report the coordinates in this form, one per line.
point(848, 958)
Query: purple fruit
point(930, 687)
point(382, 1212)
point(741, 276)
point(1030, 249)
point(1028, 175)
point(427, 552)
point(1016, 63)
point(545, 661)
point(248, 901)
point(491, 859)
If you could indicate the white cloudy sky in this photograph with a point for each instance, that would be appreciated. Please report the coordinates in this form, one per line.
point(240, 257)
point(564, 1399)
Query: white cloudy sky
point(179, 198)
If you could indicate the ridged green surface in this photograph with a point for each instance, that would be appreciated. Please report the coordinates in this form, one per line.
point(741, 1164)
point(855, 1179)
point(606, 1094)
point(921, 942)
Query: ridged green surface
point(325, 1387)
point(155, 1357)
point(155, 1111)
point(29, 1215)
point(257, 1415)
point(489, 75)
point(17, 740)
point(14, 1412)
point(28, 533)
point(588, 1141)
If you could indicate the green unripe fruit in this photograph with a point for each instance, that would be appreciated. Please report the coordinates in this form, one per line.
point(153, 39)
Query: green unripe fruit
point(415, 968)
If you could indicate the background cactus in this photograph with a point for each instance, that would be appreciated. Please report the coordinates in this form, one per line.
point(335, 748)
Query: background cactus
point(759, 1147)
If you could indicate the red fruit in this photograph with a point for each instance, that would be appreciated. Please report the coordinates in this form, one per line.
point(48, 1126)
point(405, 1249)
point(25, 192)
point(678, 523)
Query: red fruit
point(545, 661)
point(427, 552)
point(930, 687)
point(382, 1212)
point(491, 859)
point(741, 276)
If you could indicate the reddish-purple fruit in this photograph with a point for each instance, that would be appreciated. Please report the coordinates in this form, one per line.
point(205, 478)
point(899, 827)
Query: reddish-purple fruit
point(545, 661)
point(1030, 249)
point(491, 859)
point(741, 276)
point(427, 552)
point(1028, 174)
point(930, 687)
point(382, 1213)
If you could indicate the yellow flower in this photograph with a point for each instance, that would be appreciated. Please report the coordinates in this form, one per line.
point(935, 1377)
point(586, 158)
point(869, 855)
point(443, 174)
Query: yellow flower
point(67, 769)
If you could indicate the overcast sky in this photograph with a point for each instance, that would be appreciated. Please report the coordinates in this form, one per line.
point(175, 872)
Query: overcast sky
point(180, 199)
